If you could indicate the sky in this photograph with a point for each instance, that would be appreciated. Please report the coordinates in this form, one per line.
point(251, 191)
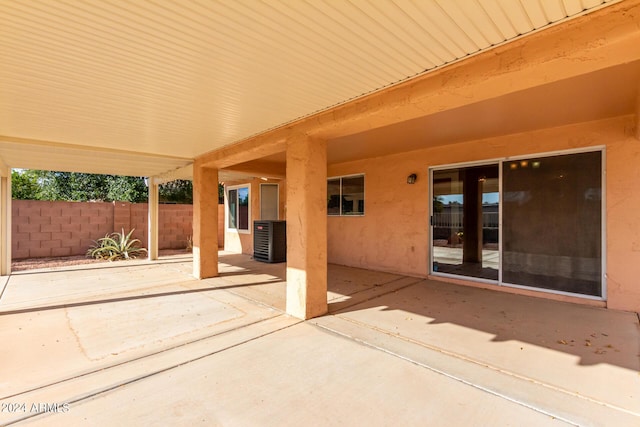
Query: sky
point(486, 198)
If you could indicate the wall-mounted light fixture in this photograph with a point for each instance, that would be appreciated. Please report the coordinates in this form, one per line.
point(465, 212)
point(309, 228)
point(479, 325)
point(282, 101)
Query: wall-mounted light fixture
point(411, 179)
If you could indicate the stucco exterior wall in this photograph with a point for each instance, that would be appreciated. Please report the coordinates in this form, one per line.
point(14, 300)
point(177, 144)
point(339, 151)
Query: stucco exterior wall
point(393, 235)
point(240, 242)
point(221, 226)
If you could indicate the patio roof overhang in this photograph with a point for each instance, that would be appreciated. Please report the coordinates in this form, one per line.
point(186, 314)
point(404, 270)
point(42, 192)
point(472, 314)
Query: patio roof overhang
point(144, 89)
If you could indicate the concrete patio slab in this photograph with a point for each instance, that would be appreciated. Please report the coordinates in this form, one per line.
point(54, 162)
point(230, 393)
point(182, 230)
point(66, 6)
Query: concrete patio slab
point(581, 350)
point(159, 347)
point(299, 375)
point(53, 287)
point(260, 282)
point(151, 308)
point(92, 383)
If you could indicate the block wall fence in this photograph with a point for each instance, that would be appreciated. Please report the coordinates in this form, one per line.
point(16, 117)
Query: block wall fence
point(55, 229)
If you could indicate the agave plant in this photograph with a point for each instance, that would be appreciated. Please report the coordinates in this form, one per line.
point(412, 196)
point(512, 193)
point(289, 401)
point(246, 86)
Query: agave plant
point(116, 246)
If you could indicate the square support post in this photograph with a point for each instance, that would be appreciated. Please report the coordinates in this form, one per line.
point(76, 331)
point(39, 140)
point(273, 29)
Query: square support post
point(306, 227)
point(153, 219)
point(638, 115)
point(205, 221)
point(5, 220)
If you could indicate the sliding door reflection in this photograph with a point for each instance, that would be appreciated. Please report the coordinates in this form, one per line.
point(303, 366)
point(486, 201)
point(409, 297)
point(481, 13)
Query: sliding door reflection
point(465, 221)
point(553, 223)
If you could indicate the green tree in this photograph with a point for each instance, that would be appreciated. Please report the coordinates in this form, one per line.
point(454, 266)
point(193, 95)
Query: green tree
point(71, 186)
point(128, 188)
point(24, 185)
point(181, 191)
point(438, 204)
point(178, 191)
point(82, 187)
point(78, 187)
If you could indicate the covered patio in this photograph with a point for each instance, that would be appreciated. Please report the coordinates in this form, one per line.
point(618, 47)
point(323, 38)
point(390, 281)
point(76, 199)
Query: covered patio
point(362, 117)
point(242, 96)
point(146, 343)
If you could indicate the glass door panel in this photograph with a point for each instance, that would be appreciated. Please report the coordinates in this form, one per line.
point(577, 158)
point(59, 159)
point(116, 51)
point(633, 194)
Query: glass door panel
point(552, 223)
point(465, 221)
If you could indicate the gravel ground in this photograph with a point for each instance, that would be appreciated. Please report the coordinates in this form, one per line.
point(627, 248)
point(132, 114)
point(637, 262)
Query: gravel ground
point(37, 263)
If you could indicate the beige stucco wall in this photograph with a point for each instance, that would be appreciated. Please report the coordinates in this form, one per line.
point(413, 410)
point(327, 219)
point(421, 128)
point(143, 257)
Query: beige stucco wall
point(235, 241)
point(221, 226)
point(394, 233)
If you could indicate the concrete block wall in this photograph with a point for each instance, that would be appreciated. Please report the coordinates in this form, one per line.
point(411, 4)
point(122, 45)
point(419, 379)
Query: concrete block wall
point(175, 221)
point(139, 220)
point(45, 229)
point(52, 229)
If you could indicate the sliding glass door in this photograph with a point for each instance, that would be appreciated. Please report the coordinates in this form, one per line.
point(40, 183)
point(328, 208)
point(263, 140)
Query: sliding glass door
point(465, 221)
point(532, 222)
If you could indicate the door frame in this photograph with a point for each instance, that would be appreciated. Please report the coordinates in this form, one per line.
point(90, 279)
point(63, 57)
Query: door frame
point(500, 161)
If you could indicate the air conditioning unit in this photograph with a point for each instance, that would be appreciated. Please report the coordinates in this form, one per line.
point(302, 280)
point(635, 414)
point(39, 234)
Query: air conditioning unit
point(270, 241)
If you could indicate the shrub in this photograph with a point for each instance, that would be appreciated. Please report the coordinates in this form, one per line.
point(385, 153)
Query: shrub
point(116, 246)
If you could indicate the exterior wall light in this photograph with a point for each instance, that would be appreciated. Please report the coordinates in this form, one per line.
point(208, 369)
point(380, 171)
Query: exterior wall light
point(411, 179)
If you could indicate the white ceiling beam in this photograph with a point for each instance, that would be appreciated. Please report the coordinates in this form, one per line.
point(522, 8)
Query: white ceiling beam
point(32, 154)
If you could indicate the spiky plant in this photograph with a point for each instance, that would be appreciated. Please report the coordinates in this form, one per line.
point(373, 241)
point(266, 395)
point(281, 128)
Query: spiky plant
point(115, 247)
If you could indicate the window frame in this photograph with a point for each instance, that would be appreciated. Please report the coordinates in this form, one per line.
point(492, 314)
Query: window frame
point(364, 196)
point(227, 208)
point(277, 185)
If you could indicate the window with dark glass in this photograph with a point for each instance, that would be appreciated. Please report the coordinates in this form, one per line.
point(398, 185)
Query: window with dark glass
point(238, 200)
point(345, 195)
point(233, 209)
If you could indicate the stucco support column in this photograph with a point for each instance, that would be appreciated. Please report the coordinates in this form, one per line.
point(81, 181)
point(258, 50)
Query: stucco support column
point(638, 115)
point(205, 221)
point(306, 227)
point(5, 220)
point(153, 219)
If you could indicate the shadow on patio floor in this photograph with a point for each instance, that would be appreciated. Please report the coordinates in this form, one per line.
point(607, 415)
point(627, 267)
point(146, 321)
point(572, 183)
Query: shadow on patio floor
point(423, 310)
point(583, 351)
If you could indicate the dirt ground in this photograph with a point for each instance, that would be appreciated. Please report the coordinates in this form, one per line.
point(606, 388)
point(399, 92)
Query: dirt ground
point(55, 262)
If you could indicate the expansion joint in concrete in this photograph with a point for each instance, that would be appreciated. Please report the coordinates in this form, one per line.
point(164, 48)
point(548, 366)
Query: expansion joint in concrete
point(155, 353)
point(119, 384)
point(464, 359)
point(343, 308)
point(444, 373)
point(5, 284)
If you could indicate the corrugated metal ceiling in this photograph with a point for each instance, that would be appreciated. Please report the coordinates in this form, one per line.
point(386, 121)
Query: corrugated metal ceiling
point(180, 79)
